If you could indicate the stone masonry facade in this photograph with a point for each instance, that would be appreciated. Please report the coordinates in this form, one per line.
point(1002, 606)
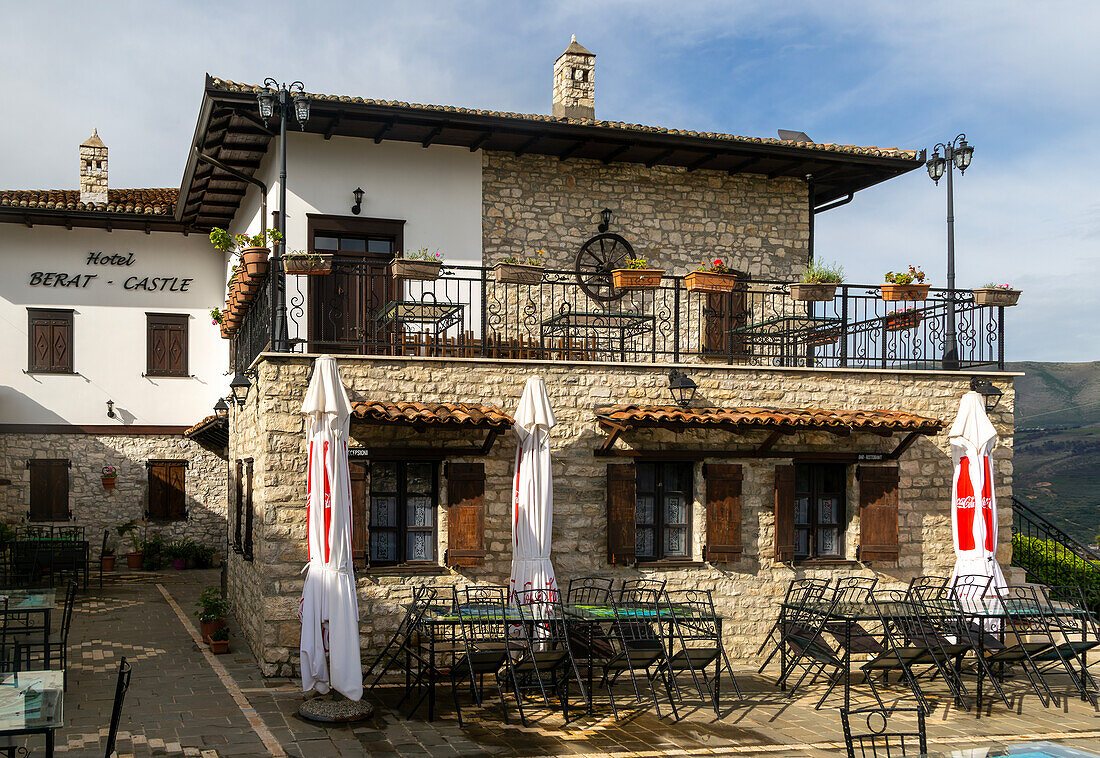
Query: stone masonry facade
point(97, 508)
point(270, 429)
point(675, 218)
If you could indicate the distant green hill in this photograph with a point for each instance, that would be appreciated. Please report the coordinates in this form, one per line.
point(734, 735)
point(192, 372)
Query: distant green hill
point(1057, 447)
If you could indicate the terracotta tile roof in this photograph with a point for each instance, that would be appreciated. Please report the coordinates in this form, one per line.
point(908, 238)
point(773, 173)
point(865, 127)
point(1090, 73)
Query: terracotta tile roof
point(212, 430)
point(879, 152)
point(768, 418)
point(432, 414)
point(148, 202)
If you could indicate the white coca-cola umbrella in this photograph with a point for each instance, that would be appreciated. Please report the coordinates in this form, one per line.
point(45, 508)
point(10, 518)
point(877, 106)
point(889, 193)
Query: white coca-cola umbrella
point(532, 492)
point(973, 502)
point(329, 611)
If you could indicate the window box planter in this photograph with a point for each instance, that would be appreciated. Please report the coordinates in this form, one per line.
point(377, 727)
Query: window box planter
point(901, 321)
point(637, 278)
point(905, 291)
point(996, 296)
point(317, 264)
point(254, 260)
point(822, 338)
point(706, 281)
point(517, 273)
point(806, 292)
point(207, 628)
point(219, 647)
point(404, 268)
point(135, 560)
point(108, 482)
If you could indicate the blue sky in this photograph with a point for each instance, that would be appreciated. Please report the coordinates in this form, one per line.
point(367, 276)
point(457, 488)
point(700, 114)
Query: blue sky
point(1021, 79)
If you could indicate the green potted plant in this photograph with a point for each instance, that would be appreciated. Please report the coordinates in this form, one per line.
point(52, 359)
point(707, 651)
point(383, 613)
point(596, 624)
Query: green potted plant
point(714, 276)
point(637, 275)
point(211, 610)
point(818, 284)
point(999, 295)
point(251, 249)
point(219, 641)
point(905, 285)
point(307, 263)
point(422, 264)
point(514, 270)
point(135, 558)
point(903, 318)
point(177, 551)
point(108, 477)
point(107, 558)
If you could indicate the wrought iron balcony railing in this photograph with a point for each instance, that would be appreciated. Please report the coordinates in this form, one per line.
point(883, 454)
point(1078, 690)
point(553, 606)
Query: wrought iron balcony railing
point(359, 308)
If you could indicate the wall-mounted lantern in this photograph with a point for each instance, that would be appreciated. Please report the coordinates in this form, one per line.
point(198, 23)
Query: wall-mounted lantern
point(239, 387)
point(682, 387)
point(357, 193)
point(989, 392)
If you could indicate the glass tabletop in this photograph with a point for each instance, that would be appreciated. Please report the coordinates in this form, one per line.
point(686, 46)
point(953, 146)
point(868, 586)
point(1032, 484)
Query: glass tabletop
point(31, 700)
point(30, 600)
point(1019, 750)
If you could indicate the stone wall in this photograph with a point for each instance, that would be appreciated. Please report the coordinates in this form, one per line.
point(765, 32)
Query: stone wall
point(96, 508)
point(675, 218)
point(745, 592)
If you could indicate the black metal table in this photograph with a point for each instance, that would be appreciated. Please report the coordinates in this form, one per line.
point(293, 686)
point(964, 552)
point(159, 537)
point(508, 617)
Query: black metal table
point(32, 603)
point(439, 316)
point(609, 328)
point(788, 333)
point(32, 702)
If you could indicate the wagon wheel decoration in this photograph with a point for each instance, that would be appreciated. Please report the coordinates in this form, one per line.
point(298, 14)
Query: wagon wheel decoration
point(596, 260)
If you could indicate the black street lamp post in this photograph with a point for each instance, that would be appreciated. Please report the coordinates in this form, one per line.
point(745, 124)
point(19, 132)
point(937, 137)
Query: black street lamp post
point(277, 99)
point(956, 154)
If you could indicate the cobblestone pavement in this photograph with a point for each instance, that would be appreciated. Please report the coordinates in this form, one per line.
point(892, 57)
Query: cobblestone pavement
point(185, 701)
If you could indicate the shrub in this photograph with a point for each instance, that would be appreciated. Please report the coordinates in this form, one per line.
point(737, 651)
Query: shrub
point(221, 635)
point(1049, 563)
point(212, 605)
point(823, 273)
point(155, 553)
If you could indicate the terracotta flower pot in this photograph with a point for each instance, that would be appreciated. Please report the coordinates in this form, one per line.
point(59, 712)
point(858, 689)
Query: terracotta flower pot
point(403, 268)
point(996, 296)
point(905, 291)
point(517, 273)
point(179, 564)
point(135, 560)
point(107, 562)
point(108, 482)
point(219, 647)
point(813, 292)
point(316, 264)
point(902, 321)
point(708, 281)
point(254, 260)
point(637, 278)
point(209, 627)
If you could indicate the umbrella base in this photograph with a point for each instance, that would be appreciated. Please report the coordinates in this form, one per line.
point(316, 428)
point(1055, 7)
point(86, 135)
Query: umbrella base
point(329, 711)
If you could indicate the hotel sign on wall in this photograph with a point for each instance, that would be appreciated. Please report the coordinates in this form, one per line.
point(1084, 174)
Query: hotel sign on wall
point(114, 274)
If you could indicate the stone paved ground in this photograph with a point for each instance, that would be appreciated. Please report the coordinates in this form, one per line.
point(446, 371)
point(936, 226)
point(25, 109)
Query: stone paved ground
point(184, 701)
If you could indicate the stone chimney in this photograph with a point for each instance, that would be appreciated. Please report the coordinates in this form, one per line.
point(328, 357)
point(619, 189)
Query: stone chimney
point(93, 170)
point(575, 83)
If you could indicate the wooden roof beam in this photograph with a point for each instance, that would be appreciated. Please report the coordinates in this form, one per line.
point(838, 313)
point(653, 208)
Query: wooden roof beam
point(481, 140)
point(567, 152)
point(527, 145)
point(617, 152)
point(785, 168)
point(663, 155)
point(431, 136)
point(383, 131)
point(702, 161)
point(743, 166)
point(333, 124)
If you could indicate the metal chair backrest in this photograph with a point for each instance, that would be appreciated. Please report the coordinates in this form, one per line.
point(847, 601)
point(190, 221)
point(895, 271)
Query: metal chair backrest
point(972, 590)
point(899, 618)
point(638, 624)
point(927, 584)
point(67, 614)
point(1070, 608)
point(640, 592)
point(34, 532)
point(589, 590)
point(1027, 609)
point(693, 615)
point(122, 684)
point(542, 615)
point(856, 584)
point(880, 739)
point(481, 614)
point(68, 533)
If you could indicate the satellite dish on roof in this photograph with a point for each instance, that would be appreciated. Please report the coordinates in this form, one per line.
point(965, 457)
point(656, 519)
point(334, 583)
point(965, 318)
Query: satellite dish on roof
point(789, 136)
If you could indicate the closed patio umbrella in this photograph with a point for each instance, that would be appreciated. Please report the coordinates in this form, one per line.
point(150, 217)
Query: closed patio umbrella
point(532, 492)
point(329, 611)
point(973, 501)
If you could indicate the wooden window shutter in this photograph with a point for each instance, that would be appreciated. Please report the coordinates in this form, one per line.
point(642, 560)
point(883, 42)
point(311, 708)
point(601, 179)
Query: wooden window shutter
point(51, 341)
point(238, 505)
point(784, 513)
point(166, 344)
point(167, 490)
point(466, 514)
point(621, 516)
point(723, 512)
point(49, 490)
point(878, 513)
point(248, 515)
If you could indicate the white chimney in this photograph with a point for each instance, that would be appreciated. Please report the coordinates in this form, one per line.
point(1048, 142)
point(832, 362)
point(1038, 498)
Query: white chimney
point(575, 83)
point(93, 170)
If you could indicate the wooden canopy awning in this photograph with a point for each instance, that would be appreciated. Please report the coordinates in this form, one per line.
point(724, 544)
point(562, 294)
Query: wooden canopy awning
point(212, 433)
point(617, 419)
point(422, 416)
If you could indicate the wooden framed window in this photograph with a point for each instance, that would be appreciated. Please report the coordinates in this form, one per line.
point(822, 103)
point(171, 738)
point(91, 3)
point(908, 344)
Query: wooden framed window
point(166, 344)
point(49, 489)
point(246, 548)
point(465, 514)
point(238, 506)
point(819, 510)
point(403, 517)
point(167, 490)
point(50, 343)
point(662, 510)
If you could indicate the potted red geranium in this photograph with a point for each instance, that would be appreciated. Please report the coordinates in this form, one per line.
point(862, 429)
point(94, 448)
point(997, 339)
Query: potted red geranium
point(108, 477)
point(999, 295)
point(712, 277)
point(905, 285)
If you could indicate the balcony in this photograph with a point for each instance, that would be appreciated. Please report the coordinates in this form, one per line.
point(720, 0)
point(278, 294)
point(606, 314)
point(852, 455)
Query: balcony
point(360, 309)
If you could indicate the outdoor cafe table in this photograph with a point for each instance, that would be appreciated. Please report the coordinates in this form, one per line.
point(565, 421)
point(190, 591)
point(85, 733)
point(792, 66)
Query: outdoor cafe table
point(31, 702)
point(31, 556)
point(32, 603)
point(441, 624)
point(990, 611)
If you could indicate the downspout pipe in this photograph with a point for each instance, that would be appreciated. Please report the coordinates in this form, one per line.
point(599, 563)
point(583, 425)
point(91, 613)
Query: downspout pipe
point(244, 178)
point(835, 203)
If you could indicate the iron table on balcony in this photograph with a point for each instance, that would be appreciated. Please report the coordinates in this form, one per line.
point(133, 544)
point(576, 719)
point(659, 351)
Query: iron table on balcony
point(602, 331)
point(439, 316)
point(788, 334)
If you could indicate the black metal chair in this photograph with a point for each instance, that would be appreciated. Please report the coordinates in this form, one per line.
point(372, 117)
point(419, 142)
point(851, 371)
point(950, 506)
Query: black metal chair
point(589, 590)
point(545, 662)
point(400, 646)
point(122, 686)
point(797, 588)
point(1036, 649)
point(35, 651)
point(880, 739)
point(639, 591)
point(1076, 631)
point(639, 648)
point(485, 638)
point(853, 594)
point(102, 552)
point(926, 583)
point(695, 629)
